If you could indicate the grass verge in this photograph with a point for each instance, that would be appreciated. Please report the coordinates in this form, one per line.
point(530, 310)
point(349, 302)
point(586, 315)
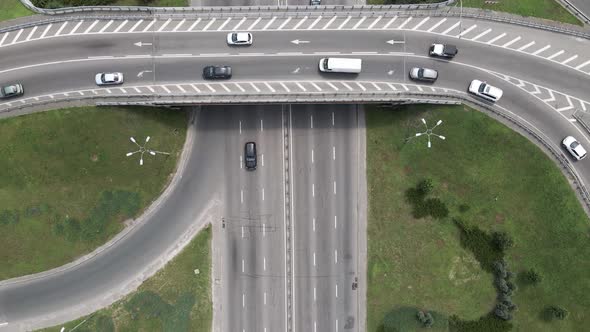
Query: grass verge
point(10, 9)
point(67, 185)
point(491, 178)
point(176, 299)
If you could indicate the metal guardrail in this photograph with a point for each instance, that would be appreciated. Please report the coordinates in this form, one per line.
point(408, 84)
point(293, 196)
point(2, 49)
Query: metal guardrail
point(575, 11)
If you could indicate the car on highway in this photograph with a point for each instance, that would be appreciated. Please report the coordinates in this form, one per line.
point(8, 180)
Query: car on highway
point(485, 91)
point(340, 65)
point(108, 78)
point(315, 2)
point(574, 147)
point(250, 156)
point(217, 72)
point(423, 74)
point(11, 90)
point(239, 38)
point(443, 50)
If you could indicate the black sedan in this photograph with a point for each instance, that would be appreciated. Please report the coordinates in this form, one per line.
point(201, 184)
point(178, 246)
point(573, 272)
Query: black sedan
point(216, 72)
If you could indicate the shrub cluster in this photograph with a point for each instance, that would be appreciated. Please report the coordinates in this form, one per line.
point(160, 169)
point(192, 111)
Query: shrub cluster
point(556, 312)
point(531, 277)
point(488, 323)
point(503, 280)
point(502, 241)
point(480, 244)
point(422, 206)
point(9, 217)
point(425, 318)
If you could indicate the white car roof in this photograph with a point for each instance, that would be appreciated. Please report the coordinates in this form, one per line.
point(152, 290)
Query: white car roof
point(493, 91)
point(242, 36)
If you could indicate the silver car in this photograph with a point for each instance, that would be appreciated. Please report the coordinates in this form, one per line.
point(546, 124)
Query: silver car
point(12, 90)
point(239, 38)
point(423, 74)
point(109, 78)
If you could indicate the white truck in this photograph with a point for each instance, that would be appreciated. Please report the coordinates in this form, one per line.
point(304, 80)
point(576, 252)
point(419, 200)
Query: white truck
point(340, 65)
point(442, 50)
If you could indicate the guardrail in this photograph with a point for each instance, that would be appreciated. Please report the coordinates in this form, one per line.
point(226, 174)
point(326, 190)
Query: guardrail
point(575, 11)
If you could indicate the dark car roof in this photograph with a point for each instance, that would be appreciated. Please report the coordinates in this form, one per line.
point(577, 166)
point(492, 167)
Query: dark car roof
point(450, 49)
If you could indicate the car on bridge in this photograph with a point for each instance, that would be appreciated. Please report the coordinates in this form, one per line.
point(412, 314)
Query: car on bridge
point(574, 147)
point(250, 156)
point(108, 78)
point(442, 50)
point(11, 90)
point(423, 74)
point(239, 38)
point(217, 72)
point(485, 91)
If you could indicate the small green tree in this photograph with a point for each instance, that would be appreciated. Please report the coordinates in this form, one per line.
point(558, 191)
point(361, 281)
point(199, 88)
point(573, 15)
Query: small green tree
point(425, 318)
point(557, 312)
point(502, 240)
point(425, 187)
point(532, 277)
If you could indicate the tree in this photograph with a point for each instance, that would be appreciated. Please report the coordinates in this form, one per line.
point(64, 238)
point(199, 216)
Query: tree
point(425, 318)
point(557, 312)
point(502, 240)
point(425, 187)
point(532, 276)
point(502, 312)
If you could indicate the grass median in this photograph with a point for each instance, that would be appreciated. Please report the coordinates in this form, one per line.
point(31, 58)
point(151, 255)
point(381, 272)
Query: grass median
point(67, 185)
point(493, 179)
point(10, 9)
point(176, 299)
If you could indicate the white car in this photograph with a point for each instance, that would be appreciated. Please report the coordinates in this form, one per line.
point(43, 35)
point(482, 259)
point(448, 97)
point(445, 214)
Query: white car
point(239, 38)
point(574, 148)
point(485, 91)
point(109, 78)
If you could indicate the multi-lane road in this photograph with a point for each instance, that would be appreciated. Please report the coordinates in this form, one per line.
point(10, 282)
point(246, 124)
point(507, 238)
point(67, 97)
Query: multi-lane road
point(291, 230)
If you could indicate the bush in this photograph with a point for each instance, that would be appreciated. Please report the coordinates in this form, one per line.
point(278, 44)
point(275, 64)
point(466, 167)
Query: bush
point(425, 318)
point(463, 208)
point(556, 312)
point(488, 323)
point(480, 244)
point(501, 311)
point(8, 217)
point(71, 3)
point(502, 240)
point(532, 277)
point(425, 187)
point(436, 208)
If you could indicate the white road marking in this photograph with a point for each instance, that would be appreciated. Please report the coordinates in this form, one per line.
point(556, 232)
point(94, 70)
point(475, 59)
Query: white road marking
point(243, 265)
point(313, 190)
point(18, 35)
point(313, 224)
point(405, 87)
point(254, 87)
point(389, 23)
point(264, 263)
point(420, 24)
point(311, 121)
point(196, 88)
point(301, 86)
point(315, 327)
point(314, 294)
point(135, 25)
point(344, 23)
point(106, 26)
point(541, 49)
point(314, 22)
point(346, 86)
point(263, 194)
point(335, 256)
point(225, 87)
point(44, 32)
point(263, 229)
point(262, 156)
point(314, 258)
point(239, 24)
point(481, 34)
point(361, 86)
point(242, 201)
point(583, 65)
point(269, 23)
point(224, 24)
point(496, 38)
point(120, 26)
point(243, 300)
point(467, 30)
point(375, 86)
point(179, 25)
point(300, 23)
point(179, 87)
point(526, 46)
point(312, 156)
point(336, 290)
point(284, 23)
point(284, 86)
point(149, 25)
point(569, 59)
point(151, 89)
point(31, 34)
point(334, 187)
point(374, 22)
point(261, 125)
point(137, 90)
point(549, 99)
point(77, 26)
point(239, 87)
point(194, 24)
point(269, 87)
point(333, 147)
point(265, 304)
point(572, 120)
point(62, 27)
point(330, 22)
point(240, 124)
point(451, 28)
point(165, 88)
point(359, 23)
point(210, 88)
point(332, 86)
point(332, 118)
point(511, 42)
point(335, 222)
point(556, 55)
point(241, 161)
point(163, 26)
point(6, 35)
point(436, 25)
point(209, 24)
point(405, 22)
point(254, 24)
point(419, 88)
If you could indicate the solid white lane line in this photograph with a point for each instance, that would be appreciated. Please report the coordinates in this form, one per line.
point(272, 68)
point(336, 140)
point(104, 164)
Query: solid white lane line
point(314, 258)
point(556, 54)
point(254, 87)
point(284, 23)
point(179, 25)
point(420, 24)
point(106, 26)
point(436, 25)
point(243, 300)
point(163, 26)
point(311, 121)
point(335, 256)
point(263, 194)
point(237, 26)
point(135, 25)
point(344, 23)
point(405, 22)
point(467, 30)
point(511, 42)
point(209, 24)
point(333, 147)
point(496, 38)
point(300, 23)
point(149, 26)
point(312, 156)
point(335, 222)
point(269, 87)
point(31, 33)
point(224, 24)
point(313, 224)
point(243, 265)
point(336, 290)
point(263, 229)
point(242, 201)
point(526, 46)
point(314, 22)
point(265, 302)
point(194, 24)
point(121, 26)
point(313, 190)
point(262, 156)
point(359, 23)
point(541, 49)
point(254, 24)
point(569, 59)
point(451, 28)
point(374, 22)
point(336, 323)
point(481, 34)
point(583, 65)
point(315, 326)
point(330, 22)
point(389, 23)
point(264, 263)
point(78, 25)
point(269, 23)
point(334, 187)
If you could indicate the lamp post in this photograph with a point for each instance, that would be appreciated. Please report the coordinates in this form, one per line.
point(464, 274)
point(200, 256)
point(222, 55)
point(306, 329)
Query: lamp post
point(429, 132)
point(143, 149)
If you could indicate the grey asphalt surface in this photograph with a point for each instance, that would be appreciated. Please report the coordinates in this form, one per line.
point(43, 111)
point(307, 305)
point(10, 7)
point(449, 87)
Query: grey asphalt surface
point(218, 140)
point(582, 5)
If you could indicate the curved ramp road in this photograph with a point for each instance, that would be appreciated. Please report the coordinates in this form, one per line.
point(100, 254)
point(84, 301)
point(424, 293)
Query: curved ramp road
point(291, 232)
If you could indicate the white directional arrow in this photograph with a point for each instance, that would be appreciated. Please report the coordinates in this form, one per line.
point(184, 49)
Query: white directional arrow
point(140, 74)
point(140, 44)
point(296, 70)
point(390, 72)
point(392, 42)
point(297, 41)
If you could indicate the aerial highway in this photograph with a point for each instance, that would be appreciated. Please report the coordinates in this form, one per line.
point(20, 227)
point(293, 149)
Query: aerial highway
point(290, 239)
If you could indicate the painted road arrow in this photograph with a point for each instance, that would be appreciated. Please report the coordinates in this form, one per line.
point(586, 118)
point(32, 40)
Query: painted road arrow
point(140, 44)
point(143, 72)
point(297, 41)
point(395, 42)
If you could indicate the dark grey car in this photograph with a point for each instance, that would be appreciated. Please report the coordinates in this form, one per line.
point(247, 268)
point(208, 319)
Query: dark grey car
point(216, 72)
point(250, 155)
point(423, 74)
point(11, 90)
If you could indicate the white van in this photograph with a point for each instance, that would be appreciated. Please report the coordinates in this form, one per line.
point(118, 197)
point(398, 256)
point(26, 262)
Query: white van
point(340, 65)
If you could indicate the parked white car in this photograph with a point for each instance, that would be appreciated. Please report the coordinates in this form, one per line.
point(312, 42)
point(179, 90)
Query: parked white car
point(485, 91)
point(239, 38)
point(109, 78)
point(574, 147)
